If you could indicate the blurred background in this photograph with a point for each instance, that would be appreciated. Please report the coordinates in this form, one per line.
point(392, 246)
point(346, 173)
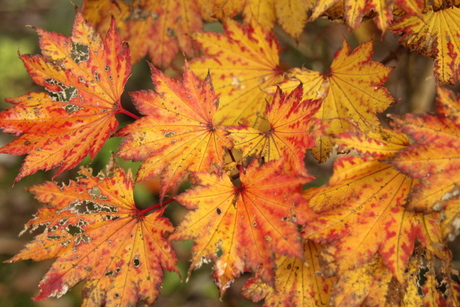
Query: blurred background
point(411, 84)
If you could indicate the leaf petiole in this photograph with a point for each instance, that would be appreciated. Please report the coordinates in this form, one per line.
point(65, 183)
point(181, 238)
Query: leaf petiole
point(151, 208)
point(126, 112)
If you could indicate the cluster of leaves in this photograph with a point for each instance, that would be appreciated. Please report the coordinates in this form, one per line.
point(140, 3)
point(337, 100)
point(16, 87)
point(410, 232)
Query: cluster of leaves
point(375, 234)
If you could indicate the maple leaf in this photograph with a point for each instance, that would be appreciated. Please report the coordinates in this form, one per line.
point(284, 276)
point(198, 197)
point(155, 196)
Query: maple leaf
point(431, 283)
point(179, 134)
point(351, 92)
point(360, 211)
point(368, 285)
point(157, 28)
point(212, 10)
point(434, 157)
point(291, 15)
point(94, 229)
point(449, 223)
point(291, 131)
point(242, 62)
point(85, 76)
point(378, 143)
point(429, 232)
point(435, 34)
point(355, 11)
point(245, 223)
point(297, 282)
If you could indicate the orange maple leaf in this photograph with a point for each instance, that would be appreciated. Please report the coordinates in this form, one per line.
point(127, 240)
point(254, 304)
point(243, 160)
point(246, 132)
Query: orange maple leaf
point(95, 230)
point(85, 76)
point(435, 155)
point(242, 62)
point(179, 134)
point(297, 282)
point(351, 90)
point(360, 211)
point(292, 130)
point(435, 34)
point(246, 223)
point(157, 28)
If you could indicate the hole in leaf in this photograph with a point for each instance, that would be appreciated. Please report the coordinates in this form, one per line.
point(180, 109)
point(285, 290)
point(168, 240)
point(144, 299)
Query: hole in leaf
point(59, 91)
point(74, 230)
point(79, 53)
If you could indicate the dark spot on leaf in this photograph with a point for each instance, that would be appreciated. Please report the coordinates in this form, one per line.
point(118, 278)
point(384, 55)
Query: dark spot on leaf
point(108, 273)
point(171, 33)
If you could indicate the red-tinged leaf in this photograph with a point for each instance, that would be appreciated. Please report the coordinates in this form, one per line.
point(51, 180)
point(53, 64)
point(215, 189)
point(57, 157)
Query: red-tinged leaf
point(179, 134)
point(246, 223)
point(429, 233)
point(354, 12)
point(448, 103)
point(351, 91)
point(158, 28)
point(435, 156)
point(380, 142)
point(297, 282)
point(435, 34)
point(242, 62)
point(94, 229)
point(450, 223)
point(366, 286)
point(411, 296)
point(360, 213)
point(292, 130)
point(85, 76)
point(212, 10)
point(433, 279)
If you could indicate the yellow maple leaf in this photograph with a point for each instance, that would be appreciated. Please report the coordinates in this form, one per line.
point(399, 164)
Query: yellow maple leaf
point(431, 282)
point(367, 286)
point(360, 211)
point(295, 281)
point(291, 14)
point(434, 157)
point(212, 10)
point(354, 11)
point(351, 90)
point(435, 34)
point(242, 62)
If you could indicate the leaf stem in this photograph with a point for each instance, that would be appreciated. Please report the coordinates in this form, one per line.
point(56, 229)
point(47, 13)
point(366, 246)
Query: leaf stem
point(231, 155)
point(146, 210)
point(126, 112)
